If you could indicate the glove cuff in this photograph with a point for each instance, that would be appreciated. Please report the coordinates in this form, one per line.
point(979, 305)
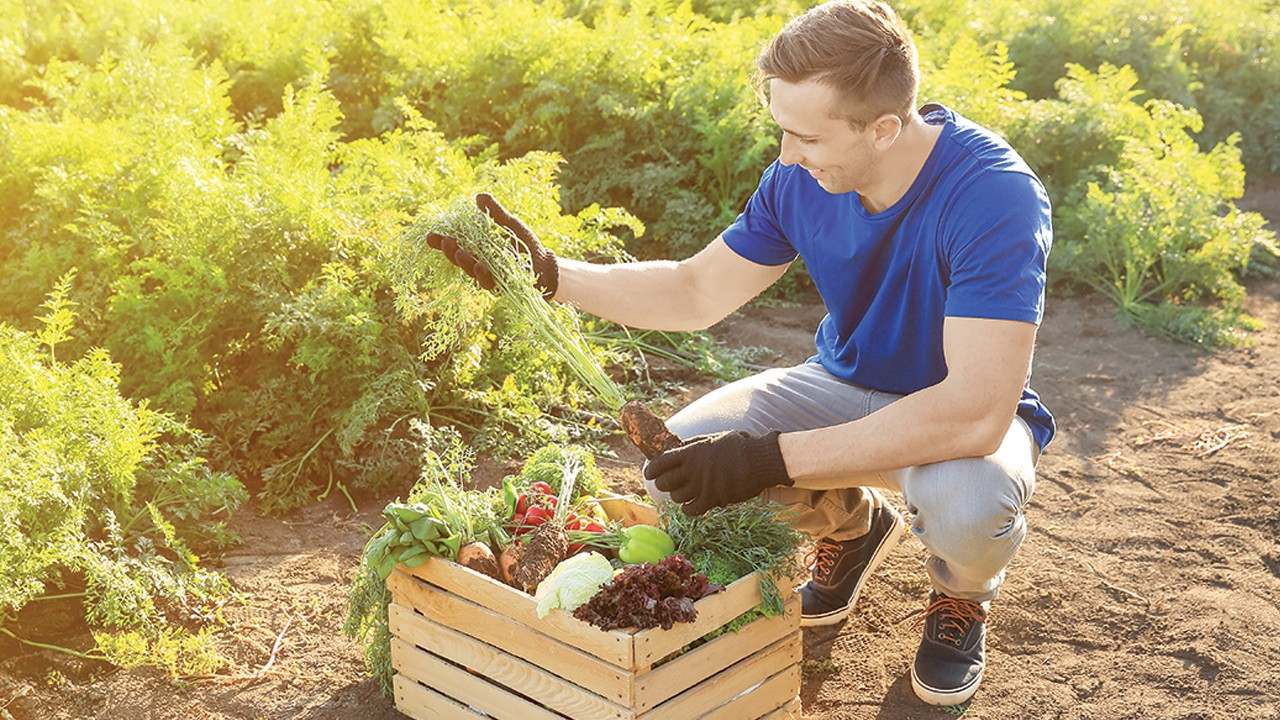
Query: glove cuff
point(547, 269)
point(765, 458)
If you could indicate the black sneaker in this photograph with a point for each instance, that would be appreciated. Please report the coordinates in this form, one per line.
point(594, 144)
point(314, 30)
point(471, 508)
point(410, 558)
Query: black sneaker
point(952, 655)
point(840, 569)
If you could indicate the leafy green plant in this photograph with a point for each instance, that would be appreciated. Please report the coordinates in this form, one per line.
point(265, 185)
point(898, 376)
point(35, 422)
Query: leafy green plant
point(554, 325)
point(1154, 228)
point(731, 542)
point(439, 515)
point(104, 500)
point(548, 465)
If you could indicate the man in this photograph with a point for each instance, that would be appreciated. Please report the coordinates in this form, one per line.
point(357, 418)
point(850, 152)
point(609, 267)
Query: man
point(926, 237)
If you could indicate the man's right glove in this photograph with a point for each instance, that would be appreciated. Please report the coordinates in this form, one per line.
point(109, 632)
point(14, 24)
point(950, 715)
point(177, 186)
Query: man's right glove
point(715, 470)
point(545, 268)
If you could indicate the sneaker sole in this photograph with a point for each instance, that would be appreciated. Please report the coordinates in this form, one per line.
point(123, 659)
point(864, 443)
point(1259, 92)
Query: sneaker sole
point(887, 544)
point(934, 696)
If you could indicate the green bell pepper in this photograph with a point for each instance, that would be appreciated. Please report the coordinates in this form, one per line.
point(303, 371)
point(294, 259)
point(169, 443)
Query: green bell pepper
point(645, 544)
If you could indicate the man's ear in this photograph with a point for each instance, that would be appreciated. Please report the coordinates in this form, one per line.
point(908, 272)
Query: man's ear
point(885, 131)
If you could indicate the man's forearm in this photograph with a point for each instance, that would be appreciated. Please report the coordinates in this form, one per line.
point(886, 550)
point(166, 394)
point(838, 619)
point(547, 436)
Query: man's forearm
point(692, 294)
point(924, 427)
point(652, 295)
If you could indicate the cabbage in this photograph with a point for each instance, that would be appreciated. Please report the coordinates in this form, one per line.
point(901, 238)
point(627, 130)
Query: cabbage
point(573, 582)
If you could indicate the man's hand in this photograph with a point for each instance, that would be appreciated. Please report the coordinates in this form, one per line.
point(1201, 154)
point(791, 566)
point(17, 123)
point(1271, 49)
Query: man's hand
point(716, 470)
point(545, 267)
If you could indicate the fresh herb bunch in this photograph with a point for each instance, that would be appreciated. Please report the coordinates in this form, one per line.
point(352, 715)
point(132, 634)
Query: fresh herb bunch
point(556, 326)
point(732, 542)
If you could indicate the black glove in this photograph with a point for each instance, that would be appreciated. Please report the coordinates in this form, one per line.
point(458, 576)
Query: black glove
point(716, 470)
point(545, 268)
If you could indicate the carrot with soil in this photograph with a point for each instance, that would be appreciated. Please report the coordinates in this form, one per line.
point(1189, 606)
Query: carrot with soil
point(555, 325)
point(646, 430)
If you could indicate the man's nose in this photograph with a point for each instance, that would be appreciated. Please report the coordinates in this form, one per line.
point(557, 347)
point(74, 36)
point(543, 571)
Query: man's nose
point(788, 155)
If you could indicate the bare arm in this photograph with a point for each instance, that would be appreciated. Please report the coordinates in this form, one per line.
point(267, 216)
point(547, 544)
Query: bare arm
point(692, 294)
point(965, 415)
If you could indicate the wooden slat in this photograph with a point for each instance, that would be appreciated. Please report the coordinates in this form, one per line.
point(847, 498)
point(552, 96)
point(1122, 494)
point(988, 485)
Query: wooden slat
point(791, 711)
point(770, 695)
point(713, 611)
point(563, 695)
point(727, 685)
point(630, 512)
point(514, 637)
point(692, 667)
point(462, 686)
point(422, 703)
point(612, 646)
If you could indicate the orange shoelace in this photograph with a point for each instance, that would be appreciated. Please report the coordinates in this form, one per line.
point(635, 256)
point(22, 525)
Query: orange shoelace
point(954, 617)
point(823, 557)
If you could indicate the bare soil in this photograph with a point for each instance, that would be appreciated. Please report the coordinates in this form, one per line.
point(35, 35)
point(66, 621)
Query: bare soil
point(1149, 584)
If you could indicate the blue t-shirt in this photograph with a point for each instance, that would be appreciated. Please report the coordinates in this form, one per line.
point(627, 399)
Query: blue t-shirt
point(968, 239)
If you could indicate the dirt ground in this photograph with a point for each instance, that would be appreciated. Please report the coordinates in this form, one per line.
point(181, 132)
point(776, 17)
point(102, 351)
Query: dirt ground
point(1148, 586)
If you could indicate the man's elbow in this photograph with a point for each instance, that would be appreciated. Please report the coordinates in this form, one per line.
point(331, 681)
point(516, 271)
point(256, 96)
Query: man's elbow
point(989, 432)
point(705, 311)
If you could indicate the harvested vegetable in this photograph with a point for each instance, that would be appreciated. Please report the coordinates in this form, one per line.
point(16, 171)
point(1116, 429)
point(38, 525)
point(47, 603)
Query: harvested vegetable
point(555, 325)
point(549, 543)
point(645, 596)
point(546, 466)
point(573, 582)
point(645, 544)
point(509, 563)
point(732, 542)
point(479, 557)
point(413, 534)
point(646, 430)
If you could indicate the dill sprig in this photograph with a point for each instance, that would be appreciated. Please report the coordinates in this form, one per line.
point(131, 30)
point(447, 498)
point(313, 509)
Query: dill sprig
point(728, 543)
point(556, 326)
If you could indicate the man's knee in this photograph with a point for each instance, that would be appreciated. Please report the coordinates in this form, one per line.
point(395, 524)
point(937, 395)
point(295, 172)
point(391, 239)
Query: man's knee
point(968, 510)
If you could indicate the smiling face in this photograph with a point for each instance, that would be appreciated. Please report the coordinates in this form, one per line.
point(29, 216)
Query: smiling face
point(839, 156)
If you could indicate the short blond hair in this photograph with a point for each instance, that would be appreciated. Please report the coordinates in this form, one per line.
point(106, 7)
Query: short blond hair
point(860, 48)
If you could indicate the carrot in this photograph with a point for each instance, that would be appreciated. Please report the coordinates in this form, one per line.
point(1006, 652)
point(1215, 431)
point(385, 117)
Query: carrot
point(646, 430)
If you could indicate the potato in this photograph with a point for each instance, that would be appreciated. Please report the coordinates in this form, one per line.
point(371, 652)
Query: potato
point(479, 557)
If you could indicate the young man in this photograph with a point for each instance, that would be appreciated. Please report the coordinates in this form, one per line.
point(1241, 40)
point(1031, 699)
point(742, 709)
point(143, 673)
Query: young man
point(926, 237)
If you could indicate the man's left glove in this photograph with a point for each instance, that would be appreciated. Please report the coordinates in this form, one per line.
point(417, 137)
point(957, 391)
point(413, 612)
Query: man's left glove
point(716, 470)
point(546, 268)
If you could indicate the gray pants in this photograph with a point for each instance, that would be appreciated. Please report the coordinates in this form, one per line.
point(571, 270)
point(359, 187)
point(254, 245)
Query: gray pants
point(968, 512)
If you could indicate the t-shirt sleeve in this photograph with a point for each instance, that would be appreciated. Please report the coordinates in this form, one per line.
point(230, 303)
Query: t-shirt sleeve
point(757, 234)
point(997, 243)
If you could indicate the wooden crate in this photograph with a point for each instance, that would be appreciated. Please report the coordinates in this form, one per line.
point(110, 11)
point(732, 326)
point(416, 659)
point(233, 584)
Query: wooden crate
point(466, 646)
